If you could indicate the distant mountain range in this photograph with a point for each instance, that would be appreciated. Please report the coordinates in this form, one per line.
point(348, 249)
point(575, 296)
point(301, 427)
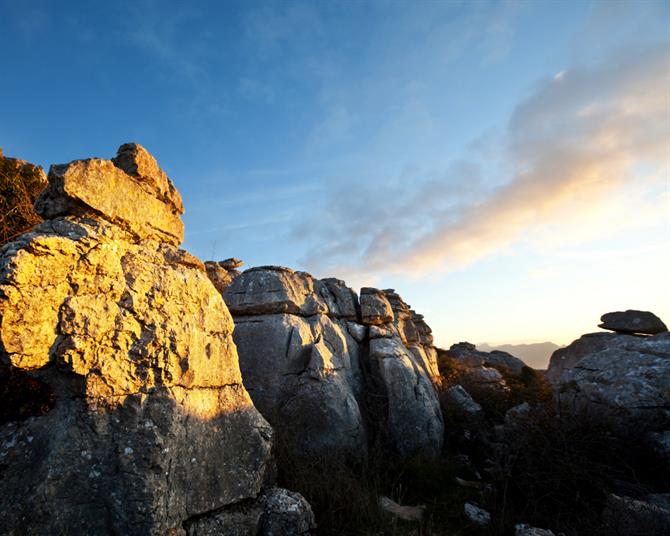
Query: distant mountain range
point(535, 355)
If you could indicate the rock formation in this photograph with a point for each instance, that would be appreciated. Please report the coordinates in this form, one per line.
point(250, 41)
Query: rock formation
point(641, 322)
point(222, 273)
point(623, 377)
point(313, 356)
point(468, 355)
point(145, 426)
point(623, 374)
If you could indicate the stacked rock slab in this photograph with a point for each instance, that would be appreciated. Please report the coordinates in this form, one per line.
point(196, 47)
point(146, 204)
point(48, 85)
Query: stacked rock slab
point(620, 376)
point(415, 334)
point(307, 349)
point(146, 425)
point(411, 415)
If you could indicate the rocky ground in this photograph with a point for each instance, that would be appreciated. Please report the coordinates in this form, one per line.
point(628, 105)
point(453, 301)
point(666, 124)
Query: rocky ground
point(147, 392)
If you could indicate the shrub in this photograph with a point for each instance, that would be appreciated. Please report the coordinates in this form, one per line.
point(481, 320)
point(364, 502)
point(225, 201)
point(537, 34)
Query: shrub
point(20, 183)
point(345, 495)
point(556, 471)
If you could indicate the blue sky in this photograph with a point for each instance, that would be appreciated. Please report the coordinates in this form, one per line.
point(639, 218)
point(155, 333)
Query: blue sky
point(504, 165)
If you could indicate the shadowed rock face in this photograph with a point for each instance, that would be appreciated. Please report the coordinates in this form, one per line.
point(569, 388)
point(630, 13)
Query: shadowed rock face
point(621, 374)
point(148, 424)
point(625, 378)
point(306, 347)
point(468, 355)
point(631, 321)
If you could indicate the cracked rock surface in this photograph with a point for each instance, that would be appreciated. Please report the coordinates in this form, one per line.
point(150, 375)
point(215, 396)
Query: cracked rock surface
point(148, 423)
point(624, 377)
point(312, 356)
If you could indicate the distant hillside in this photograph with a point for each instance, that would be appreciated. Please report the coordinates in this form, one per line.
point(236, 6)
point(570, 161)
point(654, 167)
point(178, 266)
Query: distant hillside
point(535, 355)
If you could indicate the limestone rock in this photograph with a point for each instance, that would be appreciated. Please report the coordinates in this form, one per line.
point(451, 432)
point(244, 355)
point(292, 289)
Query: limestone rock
point(413, 417)
point(523, 529)
point(285, 513)
point(276, 512)
point(375, 308)
point(406, 513)
point(145, 203)
point(274, 290)
point(231, 263)
point(341, 300)
point(632, 321)
point(136, 161)
point(219, 277)
point(151, 425)
point(477, 515)
point(468, 355)
point(636, 517)
point(302, 349)
point(628, 377)
point(567, 357)
point(304, 375)
point(457, 400)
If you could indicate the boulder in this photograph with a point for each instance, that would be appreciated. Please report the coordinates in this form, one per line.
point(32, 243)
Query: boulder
point(567, 357)
point(220, 278)
point(477, 515)
point(406, 513)
point(627, 376)
point(305, 355)
point(630, 321)
point(522, 529)
point(468, 355)
point(457, 400)
point(277, 512)
point(274, 290)
point(138, 421)
point(411, 412)
point(143, 203)
point(304, 375)
point(375, 308)
point(637, 517)
point(231, 264)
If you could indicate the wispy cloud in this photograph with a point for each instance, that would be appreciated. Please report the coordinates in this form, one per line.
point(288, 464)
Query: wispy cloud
point(576, 140)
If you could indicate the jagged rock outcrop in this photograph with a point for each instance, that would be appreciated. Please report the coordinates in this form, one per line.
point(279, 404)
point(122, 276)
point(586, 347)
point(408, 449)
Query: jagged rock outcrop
point(146, 425)
point(299, 360)
point(312, 356)
point(631, 321)
point(223, 272)
point(403, 378)
point(621, 377)
point(567, 357)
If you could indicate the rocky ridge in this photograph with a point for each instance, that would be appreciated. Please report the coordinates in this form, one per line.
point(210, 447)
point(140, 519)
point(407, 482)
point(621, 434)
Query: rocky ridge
point(145, 426)
point(313, 356)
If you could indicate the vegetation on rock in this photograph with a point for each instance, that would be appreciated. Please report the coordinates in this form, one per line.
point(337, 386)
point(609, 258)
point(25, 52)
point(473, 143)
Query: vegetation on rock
point(20, 184)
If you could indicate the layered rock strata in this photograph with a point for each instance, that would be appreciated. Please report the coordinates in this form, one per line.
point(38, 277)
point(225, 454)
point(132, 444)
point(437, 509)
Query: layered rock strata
point(313, 355)
point(145, 424)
